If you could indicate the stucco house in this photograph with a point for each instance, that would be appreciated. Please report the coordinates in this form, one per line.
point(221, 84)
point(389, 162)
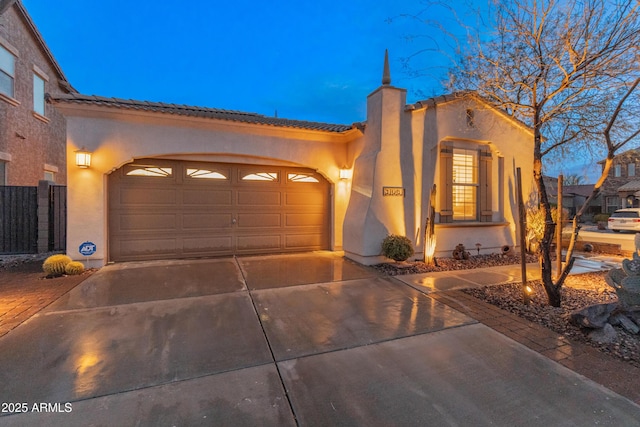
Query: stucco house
point(32, 133)
point(573, 197)
point(174, 181)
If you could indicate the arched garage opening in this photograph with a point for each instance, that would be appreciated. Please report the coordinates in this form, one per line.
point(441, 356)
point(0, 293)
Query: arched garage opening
point(161, 209)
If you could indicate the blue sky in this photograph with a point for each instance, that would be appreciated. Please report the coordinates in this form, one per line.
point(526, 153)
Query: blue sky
point(307, 60)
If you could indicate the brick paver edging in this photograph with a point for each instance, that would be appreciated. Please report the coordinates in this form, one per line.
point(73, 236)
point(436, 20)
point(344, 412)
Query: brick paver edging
point(612, 373)
point(23, 296)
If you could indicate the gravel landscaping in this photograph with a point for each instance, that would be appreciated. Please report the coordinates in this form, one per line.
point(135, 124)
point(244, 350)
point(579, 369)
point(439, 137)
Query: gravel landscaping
point(13, 262)
point(579, 291)
point(448, 264)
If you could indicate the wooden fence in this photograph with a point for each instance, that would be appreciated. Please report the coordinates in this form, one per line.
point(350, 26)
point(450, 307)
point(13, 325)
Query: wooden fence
point(57, 218)
point(33, 219)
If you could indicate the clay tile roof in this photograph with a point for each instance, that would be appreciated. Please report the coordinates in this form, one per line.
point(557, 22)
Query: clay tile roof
point(186, 110)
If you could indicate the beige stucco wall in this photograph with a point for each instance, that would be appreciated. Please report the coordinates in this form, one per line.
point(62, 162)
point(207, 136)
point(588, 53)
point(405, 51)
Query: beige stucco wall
point(116, 137)
point(401, 149)
point(511, 145)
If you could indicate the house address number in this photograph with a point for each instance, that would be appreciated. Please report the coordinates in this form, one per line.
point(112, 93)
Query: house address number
point(393, 191)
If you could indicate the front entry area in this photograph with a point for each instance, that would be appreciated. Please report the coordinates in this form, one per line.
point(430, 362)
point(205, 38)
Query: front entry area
point(160, 209)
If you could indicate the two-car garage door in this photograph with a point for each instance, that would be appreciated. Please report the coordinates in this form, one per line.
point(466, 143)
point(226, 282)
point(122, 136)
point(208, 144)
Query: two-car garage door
point(176, 209)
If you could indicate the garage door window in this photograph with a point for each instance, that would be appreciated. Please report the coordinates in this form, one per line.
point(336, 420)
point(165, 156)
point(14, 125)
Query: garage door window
point(301, 177)
point(261, 176)
point(153, 171)
point(205, 174)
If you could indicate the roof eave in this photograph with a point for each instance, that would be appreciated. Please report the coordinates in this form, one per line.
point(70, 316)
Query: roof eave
point(456, 96)
point(73, 102)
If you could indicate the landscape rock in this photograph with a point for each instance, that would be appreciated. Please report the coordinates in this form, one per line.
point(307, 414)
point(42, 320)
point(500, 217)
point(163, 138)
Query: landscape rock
point(593, 316)
point(604, 335)
point(633, 315)
point(628, 324)
point(580, 290)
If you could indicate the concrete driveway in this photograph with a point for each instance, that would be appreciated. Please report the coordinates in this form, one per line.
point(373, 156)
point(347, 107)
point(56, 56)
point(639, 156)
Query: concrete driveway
point(309, 339)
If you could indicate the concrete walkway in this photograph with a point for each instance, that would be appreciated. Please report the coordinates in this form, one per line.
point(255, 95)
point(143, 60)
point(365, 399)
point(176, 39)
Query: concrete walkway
point(308, 339)
point(462, 279)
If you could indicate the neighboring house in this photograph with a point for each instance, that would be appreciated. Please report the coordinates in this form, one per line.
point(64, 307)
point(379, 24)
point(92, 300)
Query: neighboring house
point(573, 196)
point(171, 181)
point(576, 195)
point(32, 133)
point(622, 187)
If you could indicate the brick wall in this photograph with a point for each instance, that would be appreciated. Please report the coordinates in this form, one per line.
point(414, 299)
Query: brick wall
point(611, 185)
point(30, 141)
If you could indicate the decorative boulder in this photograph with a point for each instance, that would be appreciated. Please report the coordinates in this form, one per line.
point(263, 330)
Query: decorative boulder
point(628, 324)
point(593, 316)
point(604, 335)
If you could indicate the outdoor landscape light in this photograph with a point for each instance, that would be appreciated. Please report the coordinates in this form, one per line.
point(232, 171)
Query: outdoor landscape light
point(83, 158)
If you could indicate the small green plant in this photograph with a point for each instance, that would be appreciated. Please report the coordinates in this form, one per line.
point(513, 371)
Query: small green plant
point(55, 265)
point(74, 267)
point(398, 248)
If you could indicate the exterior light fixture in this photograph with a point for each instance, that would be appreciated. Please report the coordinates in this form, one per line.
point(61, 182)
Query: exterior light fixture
point(344, 173)
point(83, 158)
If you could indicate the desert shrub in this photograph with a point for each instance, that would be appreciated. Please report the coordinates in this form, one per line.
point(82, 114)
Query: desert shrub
point(398, 248)
point(535, 224)
point(74, 267)
point(55, 265)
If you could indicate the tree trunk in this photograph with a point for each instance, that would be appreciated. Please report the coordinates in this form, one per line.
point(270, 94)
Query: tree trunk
point(553, 296)
point(430, 232)
point(553, 291)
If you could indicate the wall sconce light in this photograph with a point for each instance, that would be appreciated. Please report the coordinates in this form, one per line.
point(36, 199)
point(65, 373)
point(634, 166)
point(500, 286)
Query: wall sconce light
point(83, 158)
point(344, 173)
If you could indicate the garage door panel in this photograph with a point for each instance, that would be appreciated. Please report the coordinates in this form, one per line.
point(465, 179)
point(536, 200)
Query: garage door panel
point(304, 219)
point(253, 220)
point(201, 197)
point(147, 196)
point(258, 242)
point(208, 245)
point(303, 241)
point(207, 221)
point(259, 198)
point(146, 222)
point(145, 248)
point(310, 198)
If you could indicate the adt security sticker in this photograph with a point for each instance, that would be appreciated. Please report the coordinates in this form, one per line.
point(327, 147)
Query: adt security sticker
point(87, 248)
